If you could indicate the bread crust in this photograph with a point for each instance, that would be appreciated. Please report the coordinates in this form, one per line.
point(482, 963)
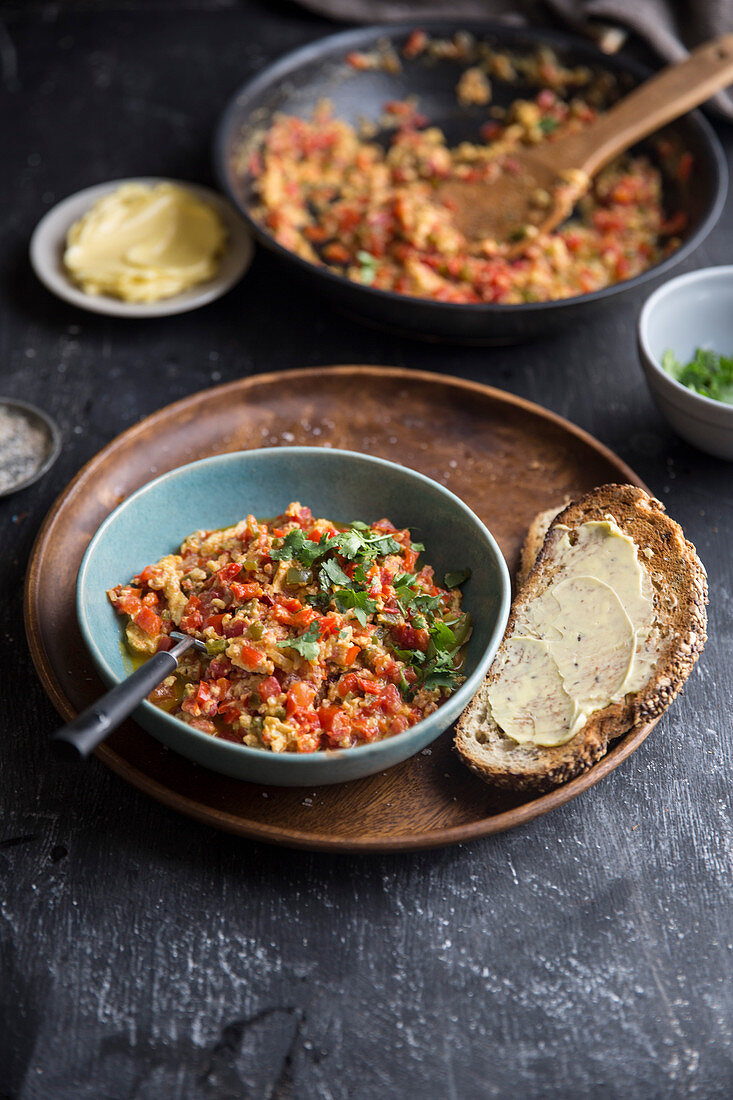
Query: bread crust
point(680, 597)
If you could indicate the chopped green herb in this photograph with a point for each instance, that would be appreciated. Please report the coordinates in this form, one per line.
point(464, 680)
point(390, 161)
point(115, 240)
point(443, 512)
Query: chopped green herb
point(403, 686)
point(358, 600)
point(442, 637)
point(455, 580)
point(368, 266)
point(331, 573)
point(427, 604)
point(355, 543)
point(708, 373)
point(305, 644)
point(409, 656)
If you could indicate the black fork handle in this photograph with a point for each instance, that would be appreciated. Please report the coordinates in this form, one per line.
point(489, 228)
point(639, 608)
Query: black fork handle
point(81, 736)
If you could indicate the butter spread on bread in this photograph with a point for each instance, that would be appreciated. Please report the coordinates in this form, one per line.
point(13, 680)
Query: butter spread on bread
point(586, 642)
point(601, 636)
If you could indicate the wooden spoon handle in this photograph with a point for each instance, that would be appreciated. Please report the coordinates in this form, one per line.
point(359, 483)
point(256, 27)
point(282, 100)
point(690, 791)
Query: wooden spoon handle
point(676, 90)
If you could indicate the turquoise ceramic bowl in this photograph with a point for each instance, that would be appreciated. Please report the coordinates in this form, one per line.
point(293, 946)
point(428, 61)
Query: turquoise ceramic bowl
point(340, 485)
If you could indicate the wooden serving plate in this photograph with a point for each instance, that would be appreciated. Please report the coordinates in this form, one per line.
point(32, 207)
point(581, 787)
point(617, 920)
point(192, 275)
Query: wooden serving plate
point(505, 457)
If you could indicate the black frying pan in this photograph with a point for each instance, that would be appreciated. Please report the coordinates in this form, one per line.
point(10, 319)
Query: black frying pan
point(300, 79)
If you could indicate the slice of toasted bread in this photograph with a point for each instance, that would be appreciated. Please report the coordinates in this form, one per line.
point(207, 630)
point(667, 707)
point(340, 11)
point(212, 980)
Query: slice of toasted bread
point(680, 594)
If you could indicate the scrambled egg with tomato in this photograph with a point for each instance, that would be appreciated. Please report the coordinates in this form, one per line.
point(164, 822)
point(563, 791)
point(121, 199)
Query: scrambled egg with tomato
point(369, 209)
point(317, 636)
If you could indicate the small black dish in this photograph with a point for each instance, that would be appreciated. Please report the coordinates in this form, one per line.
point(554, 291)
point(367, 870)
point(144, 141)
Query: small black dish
point(296, 83)
point(36, 418)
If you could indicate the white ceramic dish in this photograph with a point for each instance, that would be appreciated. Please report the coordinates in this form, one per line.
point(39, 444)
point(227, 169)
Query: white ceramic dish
point(49, 238)
point(691, 311)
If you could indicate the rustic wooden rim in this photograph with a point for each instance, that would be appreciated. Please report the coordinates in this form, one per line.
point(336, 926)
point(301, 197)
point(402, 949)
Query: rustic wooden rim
point(288, 837)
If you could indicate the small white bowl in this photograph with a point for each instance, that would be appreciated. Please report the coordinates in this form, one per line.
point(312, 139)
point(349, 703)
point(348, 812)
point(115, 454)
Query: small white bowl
point(691, 311)
point(49, 240)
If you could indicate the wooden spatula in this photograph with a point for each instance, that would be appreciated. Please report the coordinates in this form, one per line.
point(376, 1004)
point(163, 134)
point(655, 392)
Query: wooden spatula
point(503, 210)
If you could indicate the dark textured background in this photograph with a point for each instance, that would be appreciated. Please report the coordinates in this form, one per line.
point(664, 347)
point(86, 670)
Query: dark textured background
point(145, 956)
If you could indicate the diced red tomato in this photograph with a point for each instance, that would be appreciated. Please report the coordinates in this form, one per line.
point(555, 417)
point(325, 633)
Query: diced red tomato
point(336, 725)
point(305, 617)
point(336, 253)
point(201, 702)
point(408, 637)
point(214, 621)
point(251, 658)
point(234, 628)
point(308, 737)
point(351, 654)
point(269, 688)
point(192, 618)
point(219, 666)
point(358, 60)
point(147, 620)
point(230, 712)
point(354, 683)
point(391, 700)
point(329, 624)
point(300, 697)
point(244, 592)
point(228, 572)
point(415, 44)
point(205, 725)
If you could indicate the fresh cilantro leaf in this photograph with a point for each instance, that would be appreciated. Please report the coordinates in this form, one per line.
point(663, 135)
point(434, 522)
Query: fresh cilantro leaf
point(348, 599)
point(404, 687)
point(296, 546)
point(708, 373)
point(350, 544)
point(418, 546)
point(331, 573)
point(305, 644)
point(292, 546)
point(440, 678)
point(426, 604)
point(360, 577)
point(442, 636)
point(368, 267)
point(671, 363)
point(385, 544)
point(357, 543)
point(439, 672)
point(359, 525)
point(409, 656)
point(316, 599)
point(455, 580)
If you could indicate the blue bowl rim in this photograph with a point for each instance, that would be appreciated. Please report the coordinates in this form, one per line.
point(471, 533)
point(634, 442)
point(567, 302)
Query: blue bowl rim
point(229, 748)
point(353, 38)
point(700, 275)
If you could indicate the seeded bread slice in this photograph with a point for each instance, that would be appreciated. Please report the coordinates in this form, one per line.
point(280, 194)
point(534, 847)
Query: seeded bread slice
point(680, 595)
